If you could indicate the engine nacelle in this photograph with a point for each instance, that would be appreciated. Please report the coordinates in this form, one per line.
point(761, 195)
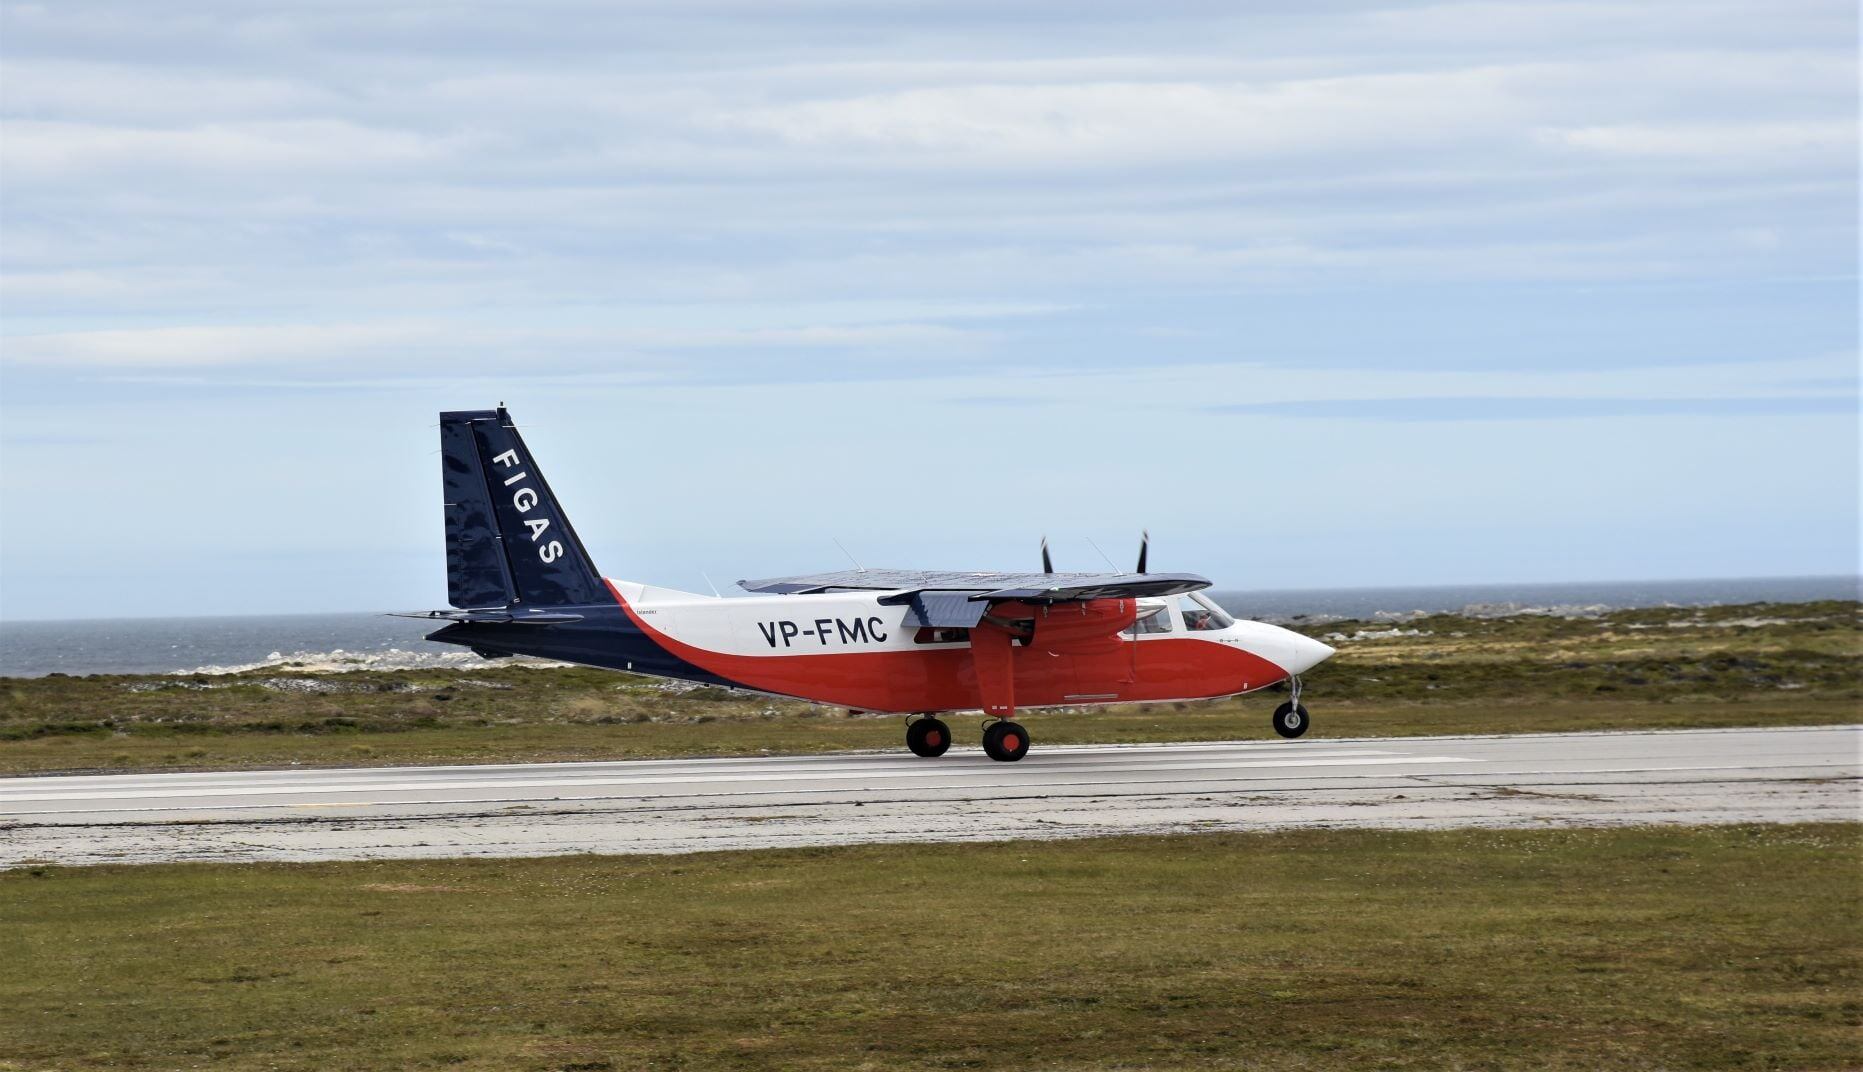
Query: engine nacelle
point(1089, 628)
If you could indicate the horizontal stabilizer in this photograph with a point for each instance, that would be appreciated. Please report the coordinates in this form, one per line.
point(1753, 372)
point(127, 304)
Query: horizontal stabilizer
point(499, 615)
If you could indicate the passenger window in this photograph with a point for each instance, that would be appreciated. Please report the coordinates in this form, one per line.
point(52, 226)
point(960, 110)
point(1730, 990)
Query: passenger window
point(1201, 614)
point(1153, 618)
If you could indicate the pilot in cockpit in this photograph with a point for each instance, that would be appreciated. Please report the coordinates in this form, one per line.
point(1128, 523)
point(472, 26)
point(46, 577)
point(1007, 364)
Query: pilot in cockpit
point(1200, 614)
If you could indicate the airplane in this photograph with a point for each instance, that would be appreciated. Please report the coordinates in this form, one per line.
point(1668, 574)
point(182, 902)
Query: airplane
point(917, 643)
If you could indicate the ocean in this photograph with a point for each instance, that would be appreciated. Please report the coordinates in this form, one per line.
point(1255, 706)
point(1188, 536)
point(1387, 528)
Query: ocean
point(373, 641)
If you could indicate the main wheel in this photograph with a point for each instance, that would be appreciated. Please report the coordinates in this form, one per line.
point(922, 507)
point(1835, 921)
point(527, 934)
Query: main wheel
point(928, 737)
point(1005, 742)
point(1290, 719)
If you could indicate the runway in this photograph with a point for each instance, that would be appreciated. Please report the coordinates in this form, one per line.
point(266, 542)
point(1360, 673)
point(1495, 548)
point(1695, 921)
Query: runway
point(1590, 779)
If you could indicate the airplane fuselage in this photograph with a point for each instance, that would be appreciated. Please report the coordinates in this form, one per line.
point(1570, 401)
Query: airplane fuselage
point(850, 649)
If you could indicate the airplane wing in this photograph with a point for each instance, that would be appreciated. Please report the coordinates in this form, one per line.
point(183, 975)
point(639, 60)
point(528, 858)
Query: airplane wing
point(960, 598)
point(986, 586)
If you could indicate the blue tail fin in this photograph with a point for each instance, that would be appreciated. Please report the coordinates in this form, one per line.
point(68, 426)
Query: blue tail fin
point(507, 540)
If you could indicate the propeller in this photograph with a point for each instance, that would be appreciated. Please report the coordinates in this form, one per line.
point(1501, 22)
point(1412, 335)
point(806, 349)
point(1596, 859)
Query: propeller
point(1144, 547)
point(1047, 564)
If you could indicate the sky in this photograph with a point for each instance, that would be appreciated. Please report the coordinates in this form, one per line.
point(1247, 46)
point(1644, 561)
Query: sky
point(1323, 294)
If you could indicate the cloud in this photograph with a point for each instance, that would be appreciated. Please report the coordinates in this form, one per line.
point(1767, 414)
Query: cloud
point(1157, 122)
point(1763, 144)
point(459, 346)
point(997, 401)
point(1142, 124)
point(221, 171)
point(1538, 408)
point(145, 94)
point(54, 440)
point(37, 148)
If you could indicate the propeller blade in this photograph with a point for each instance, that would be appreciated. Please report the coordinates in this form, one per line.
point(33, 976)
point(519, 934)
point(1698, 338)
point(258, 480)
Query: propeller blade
point(1047, 564)
point(1144, 548)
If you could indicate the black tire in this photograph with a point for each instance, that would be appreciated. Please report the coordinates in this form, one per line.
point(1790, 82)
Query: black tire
point(1290, 719)
point(1005, 742)
point(928, 737)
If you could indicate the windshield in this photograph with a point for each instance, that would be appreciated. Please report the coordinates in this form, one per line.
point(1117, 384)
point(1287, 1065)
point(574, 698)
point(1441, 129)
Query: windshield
point(1201, 613)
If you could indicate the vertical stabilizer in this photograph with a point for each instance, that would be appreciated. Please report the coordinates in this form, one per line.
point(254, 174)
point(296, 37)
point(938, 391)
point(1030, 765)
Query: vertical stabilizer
point(507, 539)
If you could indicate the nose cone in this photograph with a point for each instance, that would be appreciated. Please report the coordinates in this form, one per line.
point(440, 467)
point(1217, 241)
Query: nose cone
point(1293, 653)
point(1305, 653)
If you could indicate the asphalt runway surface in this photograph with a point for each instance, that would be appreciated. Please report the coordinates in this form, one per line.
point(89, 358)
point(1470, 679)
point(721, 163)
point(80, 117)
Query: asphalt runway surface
point(1581, 779)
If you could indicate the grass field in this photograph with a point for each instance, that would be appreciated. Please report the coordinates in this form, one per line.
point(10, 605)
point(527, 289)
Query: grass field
point(1719, 948)
point(1722, 666)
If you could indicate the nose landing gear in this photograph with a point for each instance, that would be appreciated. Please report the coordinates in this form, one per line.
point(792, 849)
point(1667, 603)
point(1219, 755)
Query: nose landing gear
point(1290, 719)
point(928, 737)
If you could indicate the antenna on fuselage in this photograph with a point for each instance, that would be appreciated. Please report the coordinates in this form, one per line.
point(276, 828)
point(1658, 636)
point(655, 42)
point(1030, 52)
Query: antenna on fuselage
point(1144, 547)
point(857, 566)
point(1047, 564)
point(710, 585)
point(1102, 554)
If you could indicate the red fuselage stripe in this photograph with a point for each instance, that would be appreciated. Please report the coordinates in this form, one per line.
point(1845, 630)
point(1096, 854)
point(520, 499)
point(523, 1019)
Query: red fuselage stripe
point(945, 679)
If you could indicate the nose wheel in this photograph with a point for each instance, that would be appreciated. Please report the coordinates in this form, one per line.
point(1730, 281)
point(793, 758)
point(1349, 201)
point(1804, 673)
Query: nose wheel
point(928, 737)
point(1290, 719)
point(1005, 741)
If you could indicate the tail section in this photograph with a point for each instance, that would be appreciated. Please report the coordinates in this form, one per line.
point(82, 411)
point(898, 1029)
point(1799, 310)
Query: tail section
point(508, 542)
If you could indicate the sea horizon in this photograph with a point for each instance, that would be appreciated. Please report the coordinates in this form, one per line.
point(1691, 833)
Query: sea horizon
point(1855, 580)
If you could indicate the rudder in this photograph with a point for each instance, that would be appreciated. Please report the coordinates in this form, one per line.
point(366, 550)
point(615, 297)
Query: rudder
point(508, 541)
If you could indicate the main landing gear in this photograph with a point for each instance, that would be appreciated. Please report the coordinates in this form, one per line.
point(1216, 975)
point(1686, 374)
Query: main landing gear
point(1290, 719)
point(928, 737)
point(1005, 741)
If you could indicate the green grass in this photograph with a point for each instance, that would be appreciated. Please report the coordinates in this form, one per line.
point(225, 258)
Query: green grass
point(1706, 948)
point(1723, 666)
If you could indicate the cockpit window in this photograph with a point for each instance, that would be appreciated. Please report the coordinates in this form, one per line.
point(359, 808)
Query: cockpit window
point(1201, 614)
point(1153, 618)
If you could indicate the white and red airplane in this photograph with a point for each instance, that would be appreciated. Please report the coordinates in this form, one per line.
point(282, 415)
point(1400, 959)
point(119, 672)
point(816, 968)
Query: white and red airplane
point(919, 643)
